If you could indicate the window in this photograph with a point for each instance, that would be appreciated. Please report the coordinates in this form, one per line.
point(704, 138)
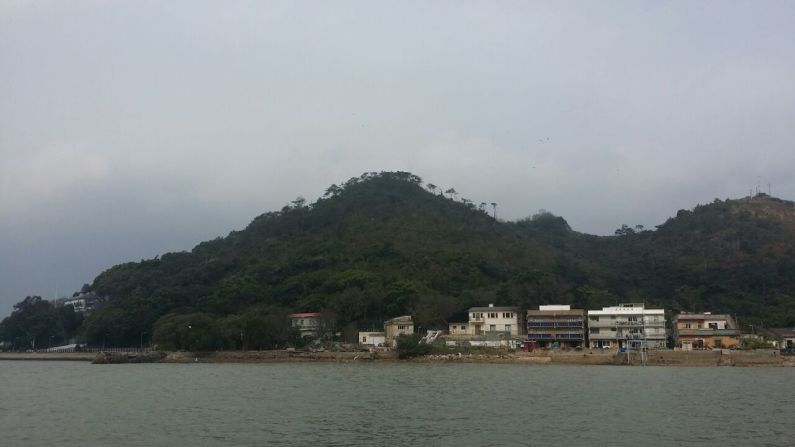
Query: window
point(713, 326)
point(593, 318)
point(364, 339)
point(594, 330)
point(507, 328)
point(493, 327)
point(688, 325)
point(507, 315)
point(492, 314)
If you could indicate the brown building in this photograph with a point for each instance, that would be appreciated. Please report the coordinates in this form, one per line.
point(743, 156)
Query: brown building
point(704, 331)
point(556, 326)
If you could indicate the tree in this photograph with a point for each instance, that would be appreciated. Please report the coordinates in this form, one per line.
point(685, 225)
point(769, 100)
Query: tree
point(453, 193)
point(431, 187)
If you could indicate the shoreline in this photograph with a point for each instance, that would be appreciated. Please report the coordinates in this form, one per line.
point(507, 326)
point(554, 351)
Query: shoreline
point(762, 358)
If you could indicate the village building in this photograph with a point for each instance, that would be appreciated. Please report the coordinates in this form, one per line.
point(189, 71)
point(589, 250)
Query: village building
point(83, 303)
point(784, 338)
point(307, 323)
point(395, 327)
point(556, 326)
point(496, 320)
point(627, 326)
point(458, 329)
point(370, 338)
point(704, 331)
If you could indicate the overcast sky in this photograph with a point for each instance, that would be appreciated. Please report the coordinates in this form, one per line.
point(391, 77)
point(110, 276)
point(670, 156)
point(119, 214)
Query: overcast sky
point(129, 129)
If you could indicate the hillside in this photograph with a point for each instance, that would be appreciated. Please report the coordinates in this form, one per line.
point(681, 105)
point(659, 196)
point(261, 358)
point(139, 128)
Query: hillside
point(383, 245)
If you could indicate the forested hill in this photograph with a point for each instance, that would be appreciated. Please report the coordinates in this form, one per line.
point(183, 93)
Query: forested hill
point(385, 244)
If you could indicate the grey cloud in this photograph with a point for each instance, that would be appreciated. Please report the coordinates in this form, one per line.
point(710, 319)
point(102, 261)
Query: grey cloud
point(129, 129)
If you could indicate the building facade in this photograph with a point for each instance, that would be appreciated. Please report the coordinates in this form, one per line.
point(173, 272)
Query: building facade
point(395, 327)
point(556, 326)
point(372, 338)
point(704, 331)
point(628, 326)
point(784, 337)
point(494, 320)
point(307, 323)
point(458, 329)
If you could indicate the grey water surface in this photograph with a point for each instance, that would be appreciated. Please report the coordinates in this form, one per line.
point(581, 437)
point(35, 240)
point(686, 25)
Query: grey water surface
point(392, 404)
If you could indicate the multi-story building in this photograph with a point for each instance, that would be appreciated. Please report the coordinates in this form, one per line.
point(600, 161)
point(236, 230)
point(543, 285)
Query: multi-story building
point(493, 320)
point(704, 331)
point(556, 326)
point(395, 327)
point(628, 325)
point(307, 323)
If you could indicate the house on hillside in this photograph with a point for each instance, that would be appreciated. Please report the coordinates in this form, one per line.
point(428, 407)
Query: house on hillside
point(395, 327)
point(83, 303)
point(307, 323)
point(628, 325)
point(704, 331)
point(556, 326)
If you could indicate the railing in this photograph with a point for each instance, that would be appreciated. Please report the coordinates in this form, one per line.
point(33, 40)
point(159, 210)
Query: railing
point(55, 350)
point(555, 336)
point(703, 331)
point(554, 324)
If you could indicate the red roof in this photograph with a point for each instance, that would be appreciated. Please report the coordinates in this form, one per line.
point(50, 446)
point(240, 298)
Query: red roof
point(305, 315)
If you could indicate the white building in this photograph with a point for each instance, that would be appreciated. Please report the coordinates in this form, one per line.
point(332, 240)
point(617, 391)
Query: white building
point(626, 325)
point(492, 320)
point(372, 338)
point(307, 323)
point(458, 329)
point(395, 327)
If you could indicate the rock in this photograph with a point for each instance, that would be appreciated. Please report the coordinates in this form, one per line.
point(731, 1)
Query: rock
point(107, 358)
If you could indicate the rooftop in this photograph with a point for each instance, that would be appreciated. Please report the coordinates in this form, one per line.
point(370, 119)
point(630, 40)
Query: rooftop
point(703, 316)
point(494, 309)
point(400, 319)
point(788, 332)
point(627, 309)
point(547, 313)
point(305, 315)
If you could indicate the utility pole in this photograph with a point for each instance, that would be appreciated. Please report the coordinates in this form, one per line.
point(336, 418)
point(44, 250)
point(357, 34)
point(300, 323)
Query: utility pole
point(494, 206)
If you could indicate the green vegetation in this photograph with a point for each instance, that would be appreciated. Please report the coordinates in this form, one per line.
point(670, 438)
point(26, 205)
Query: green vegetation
point(37, 324)
point(382, 245)
point(409, 346)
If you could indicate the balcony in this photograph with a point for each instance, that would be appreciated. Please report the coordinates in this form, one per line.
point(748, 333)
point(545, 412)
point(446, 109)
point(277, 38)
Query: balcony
point(555, 337)
point(708, 332)
point(553, 324)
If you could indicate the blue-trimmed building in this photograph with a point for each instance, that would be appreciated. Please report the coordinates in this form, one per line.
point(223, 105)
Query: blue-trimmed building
point(556, 326)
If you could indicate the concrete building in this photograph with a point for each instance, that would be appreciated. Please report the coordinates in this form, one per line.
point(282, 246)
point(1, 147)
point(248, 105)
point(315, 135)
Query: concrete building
point(704, 331)
point(458, 329)
point(490, 320)
point(370, 338)
point(395, 327)
point(556, 326)
point(784, 337)
point(308, 323)
point(628, 325)
point(83, 303)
